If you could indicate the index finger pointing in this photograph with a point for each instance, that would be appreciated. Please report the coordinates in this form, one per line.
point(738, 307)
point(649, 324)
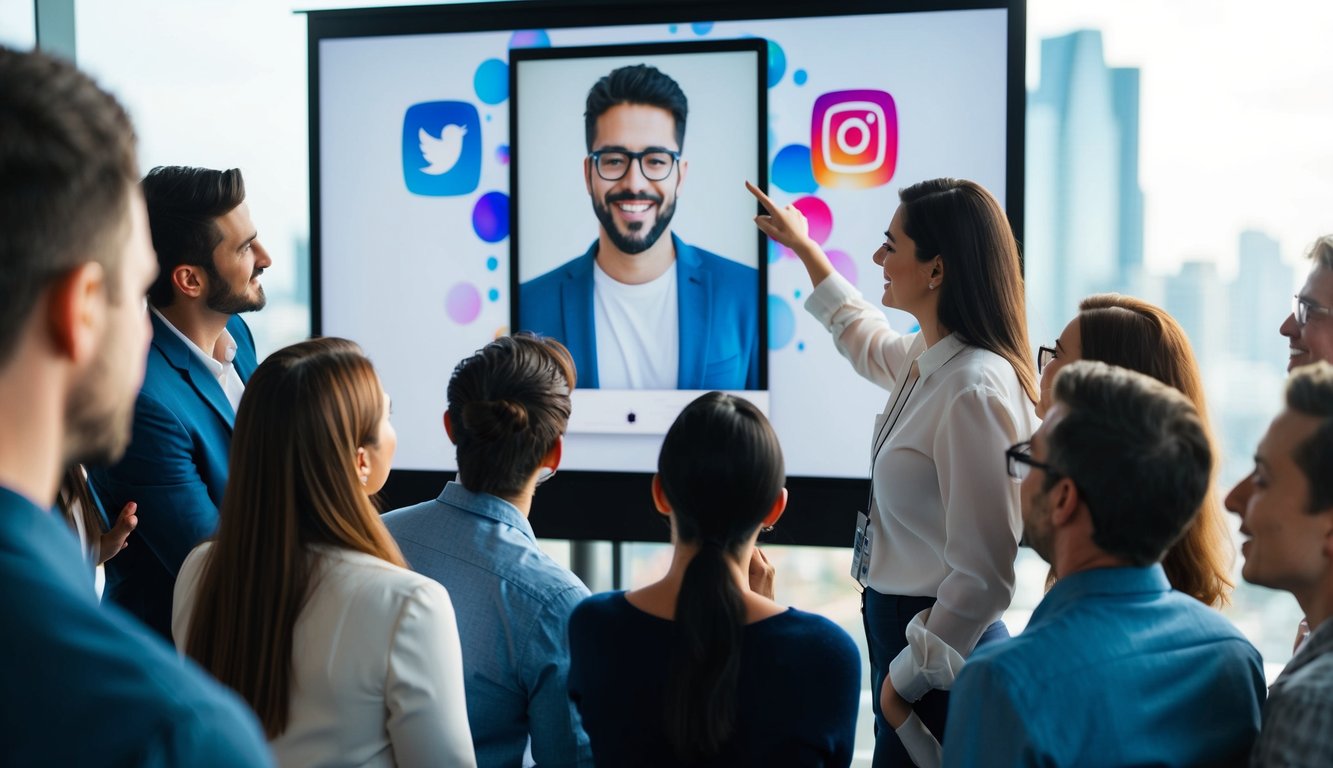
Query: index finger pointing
point(764, 199)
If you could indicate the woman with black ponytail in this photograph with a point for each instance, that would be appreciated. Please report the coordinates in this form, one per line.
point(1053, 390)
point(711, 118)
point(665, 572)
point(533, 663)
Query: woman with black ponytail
point(698, 669)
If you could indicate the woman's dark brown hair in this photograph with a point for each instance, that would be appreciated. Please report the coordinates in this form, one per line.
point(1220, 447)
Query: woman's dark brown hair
point(981, 297)
point(293, 483)
point(1131, 333)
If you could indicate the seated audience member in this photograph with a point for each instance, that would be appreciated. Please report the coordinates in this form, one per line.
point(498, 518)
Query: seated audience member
point(303, 603)
point(85, 685)
point(697, 669)
point(1286, 510)
point(1114, 667)
point(1309, 327)
point(1131, 333)
point(209, 262)
point(508, 407)
point(84, 517)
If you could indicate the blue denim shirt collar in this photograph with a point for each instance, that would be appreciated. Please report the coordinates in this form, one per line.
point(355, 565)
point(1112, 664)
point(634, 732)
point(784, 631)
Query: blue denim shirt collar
point(1071, 589)
point(485, 505)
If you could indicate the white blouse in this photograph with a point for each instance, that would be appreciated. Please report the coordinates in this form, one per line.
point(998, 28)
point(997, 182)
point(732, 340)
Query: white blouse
point(947, 518)
point(377, 667)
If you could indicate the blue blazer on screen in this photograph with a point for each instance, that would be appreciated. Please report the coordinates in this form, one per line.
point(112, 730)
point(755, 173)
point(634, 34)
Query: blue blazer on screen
point(718, 310)
point(175, 469)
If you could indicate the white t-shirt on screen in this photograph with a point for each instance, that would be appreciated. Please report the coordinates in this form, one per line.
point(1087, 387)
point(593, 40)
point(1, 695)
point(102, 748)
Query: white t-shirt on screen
point(638, 331)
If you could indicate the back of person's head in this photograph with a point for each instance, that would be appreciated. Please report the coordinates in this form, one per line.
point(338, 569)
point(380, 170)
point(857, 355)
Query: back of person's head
point(981, 296)
point(639, 84)
point(721, 471)
point(183, 207)
point(67, 170)
point(1310, 393)
point(293, 482)
point(1321, 253)
point(1136, 451)
point(508, 404)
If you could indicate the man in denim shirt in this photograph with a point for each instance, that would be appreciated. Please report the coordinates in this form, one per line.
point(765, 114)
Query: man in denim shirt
point(508, 407)
point(1114, 667)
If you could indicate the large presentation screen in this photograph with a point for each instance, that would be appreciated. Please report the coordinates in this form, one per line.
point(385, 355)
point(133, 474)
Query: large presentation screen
point(461, 191)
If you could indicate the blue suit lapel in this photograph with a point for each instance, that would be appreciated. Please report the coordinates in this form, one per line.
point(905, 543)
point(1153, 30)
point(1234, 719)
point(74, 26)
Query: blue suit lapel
point(246, 360)
point(192, 369)
point(695, 309)
point(576, 297)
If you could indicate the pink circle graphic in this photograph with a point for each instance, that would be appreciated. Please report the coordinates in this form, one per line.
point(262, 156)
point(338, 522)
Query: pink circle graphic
point(818, 214)
point(463, 303)
point(844, 264)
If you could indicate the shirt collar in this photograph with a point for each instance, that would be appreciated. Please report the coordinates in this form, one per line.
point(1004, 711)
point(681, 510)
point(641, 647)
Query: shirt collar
point(1076, 587)
point(216, 367)
point(938, 354)
point(485, 505)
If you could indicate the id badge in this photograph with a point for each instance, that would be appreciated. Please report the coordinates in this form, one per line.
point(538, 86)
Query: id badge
point(861, 549)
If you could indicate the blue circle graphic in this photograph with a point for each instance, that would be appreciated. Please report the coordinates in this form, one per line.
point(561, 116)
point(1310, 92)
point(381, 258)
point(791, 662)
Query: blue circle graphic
point(493, 294)
point(702, 27)
point(799, 77)
point(492, 263)
point(781, 322)
point(777, 63)
point(792, 171)
point(492, 81)
point(490, 217)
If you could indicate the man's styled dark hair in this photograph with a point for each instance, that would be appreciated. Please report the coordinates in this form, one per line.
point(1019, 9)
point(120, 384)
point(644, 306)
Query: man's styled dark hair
point(67, 166)
point(1137, 452)
point(636, 84)
point(1310, 393)
point(508, 404)
point(183, 207)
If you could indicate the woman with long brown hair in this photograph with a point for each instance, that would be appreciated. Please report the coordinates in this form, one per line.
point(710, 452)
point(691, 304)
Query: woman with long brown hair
point(303, 603)
point(1131, 333)
point(936, 546)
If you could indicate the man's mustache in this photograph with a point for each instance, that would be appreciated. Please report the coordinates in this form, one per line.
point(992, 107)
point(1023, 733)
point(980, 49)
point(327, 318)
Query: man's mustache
point(626, 197)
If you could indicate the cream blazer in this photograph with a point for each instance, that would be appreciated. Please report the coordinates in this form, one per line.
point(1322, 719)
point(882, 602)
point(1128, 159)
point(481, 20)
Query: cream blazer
point(377, 667)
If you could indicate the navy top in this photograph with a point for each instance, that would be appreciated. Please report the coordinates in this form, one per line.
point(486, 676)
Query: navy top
point(86, 684)
point(800, 684)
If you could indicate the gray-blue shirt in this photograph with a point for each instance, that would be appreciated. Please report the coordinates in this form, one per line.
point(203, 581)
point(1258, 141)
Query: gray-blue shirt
point(1114, 668)
point(513, 604)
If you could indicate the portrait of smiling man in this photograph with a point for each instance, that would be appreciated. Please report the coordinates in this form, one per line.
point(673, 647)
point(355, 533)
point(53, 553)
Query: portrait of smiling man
point(641, 308)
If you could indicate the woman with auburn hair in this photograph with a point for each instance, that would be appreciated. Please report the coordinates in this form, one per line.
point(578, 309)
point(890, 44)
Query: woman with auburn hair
point(935, 549)
point(302, 603)
point(1131, 333)
point(698, 669)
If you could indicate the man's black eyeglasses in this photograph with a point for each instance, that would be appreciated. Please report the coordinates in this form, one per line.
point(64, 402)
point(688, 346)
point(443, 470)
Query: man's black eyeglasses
point(1045, 355)
point(655, 164)
point(1019, 462)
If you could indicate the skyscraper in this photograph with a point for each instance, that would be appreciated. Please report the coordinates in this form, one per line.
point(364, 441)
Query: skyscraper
point(1084, 208)
point(1260, 301)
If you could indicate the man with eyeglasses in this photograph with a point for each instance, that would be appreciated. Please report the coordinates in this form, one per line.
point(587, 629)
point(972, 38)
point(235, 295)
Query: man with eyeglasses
point(1114, 667)
point(1309, 327)
point(639, 309)
point(1286, 511)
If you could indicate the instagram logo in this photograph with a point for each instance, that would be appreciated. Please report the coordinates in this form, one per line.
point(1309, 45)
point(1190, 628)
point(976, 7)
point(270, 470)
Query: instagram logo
point(854, 139)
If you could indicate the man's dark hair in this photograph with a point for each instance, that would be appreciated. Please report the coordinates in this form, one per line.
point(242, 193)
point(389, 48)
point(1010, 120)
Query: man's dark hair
point(183, 207)
point(508, 404)
point(1310, 393)
point(636, 84)
point(67, 166)
point(1137, 452)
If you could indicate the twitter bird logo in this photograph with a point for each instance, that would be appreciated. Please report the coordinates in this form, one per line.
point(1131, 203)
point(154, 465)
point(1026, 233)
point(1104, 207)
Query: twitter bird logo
point(441, 148)
point(442, 151)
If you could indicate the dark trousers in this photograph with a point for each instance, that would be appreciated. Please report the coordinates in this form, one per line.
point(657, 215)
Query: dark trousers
point(886, 618)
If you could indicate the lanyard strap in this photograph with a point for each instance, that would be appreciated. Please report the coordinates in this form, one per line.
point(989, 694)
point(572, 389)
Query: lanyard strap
point(887, 429)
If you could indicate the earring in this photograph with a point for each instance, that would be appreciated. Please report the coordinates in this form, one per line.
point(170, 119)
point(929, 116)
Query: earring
point(767, 529)
point(365, 479)
point(932, 286)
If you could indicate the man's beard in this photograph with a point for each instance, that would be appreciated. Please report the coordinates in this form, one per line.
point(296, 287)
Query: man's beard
point(98, 420)
point(223, 300)
point(628, 243)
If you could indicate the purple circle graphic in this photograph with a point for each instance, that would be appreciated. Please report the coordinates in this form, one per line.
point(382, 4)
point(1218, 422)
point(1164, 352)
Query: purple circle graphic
point(781, 322)
point(792, 170)
point(463, 303)
point(490, 217)
point(492, 81)
point(502, 154)
point(844, 265)
point(818, 214)
point(530, 38)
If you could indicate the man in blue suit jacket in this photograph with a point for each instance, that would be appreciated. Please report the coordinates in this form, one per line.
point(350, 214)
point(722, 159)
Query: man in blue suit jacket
point(202, 354)
point(86, 684)
point(639, 310)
